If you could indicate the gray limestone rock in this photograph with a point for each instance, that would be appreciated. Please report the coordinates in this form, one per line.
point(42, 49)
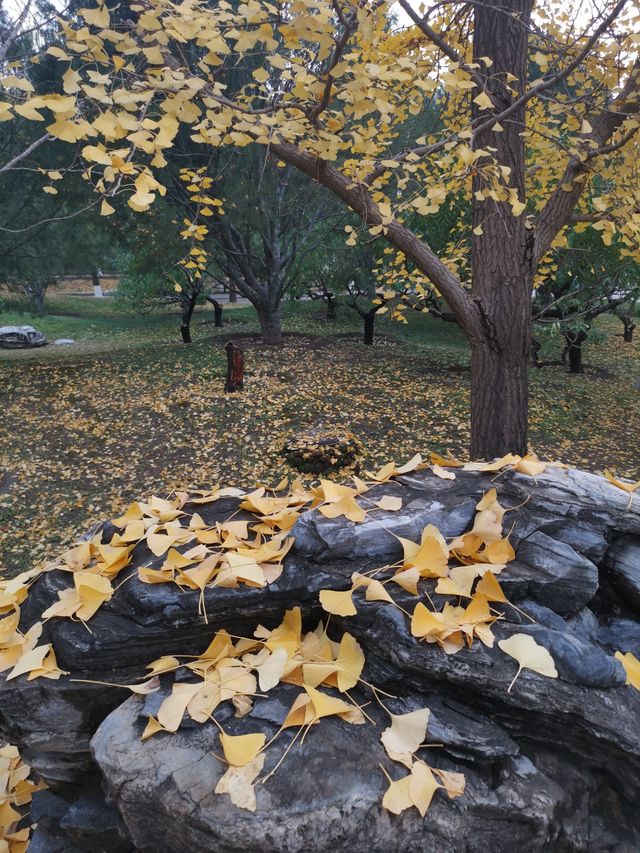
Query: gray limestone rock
point(623, 564)
point(552, 765)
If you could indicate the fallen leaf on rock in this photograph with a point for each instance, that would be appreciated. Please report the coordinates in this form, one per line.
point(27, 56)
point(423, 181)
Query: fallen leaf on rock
point(152, 728)
point(631, 666)
point(529, 655)
point(453, 783)
point(338, 602)
point(442, 473)
point(389, 503)
point(349, 663)
point(422, 787)
point(239, 783)
point(397, 798)
point(430, 557)
point(489, 587)
point(405, 734)
point(407, 579)
point(271, 671)
point(241, 749)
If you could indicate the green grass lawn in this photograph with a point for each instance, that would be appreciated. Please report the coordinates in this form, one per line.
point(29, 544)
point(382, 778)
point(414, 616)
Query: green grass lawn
point(128, 410)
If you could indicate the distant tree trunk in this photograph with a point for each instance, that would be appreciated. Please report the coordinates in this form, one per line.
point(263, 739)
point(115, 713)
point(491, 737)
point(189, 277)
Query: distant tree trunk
point(35, 293)
point(369, 319)
point(187, 312)
point(332, 304)
point(97, 287)
point(235, 368)
point(38, 304)
point(270, 323)
point(217, 312)
point(573, 350)
point(233, 293)
point(629, 327)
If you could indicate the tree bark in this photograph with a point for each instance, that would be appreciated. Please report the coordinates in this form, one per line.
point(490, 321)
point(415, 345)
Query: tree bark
point(217, 312)
point(502, 248)
point(235, 368)
point(35, 295)
point(270, 324)
point(185, 325)
point(369, 320)
point(233, 293)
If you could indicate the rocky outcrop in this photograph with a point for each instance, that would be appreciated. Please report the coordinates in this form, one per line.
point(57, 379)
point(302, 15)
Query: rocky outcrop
point(552, 765)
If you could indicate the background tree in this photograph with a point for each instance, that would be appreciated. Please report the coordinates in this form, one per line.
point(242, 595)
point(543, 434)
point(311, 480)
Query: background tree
point(534, 106)
point(580, 289)
point(273, 221)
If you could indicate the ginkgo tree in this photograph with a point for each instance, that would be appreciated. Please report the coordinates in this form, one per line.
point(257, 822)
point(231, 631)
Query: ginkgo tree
point(534, 105)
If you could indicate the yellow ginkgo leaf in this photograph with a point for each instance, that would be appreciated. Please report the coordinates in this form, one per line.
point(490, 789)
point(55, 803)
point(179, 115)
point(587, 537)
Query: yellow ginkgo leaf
point(325, 705)
point(405, 735)
point(422, 786)
point(163, 664)
point(620, 484)
point(172, 709)
point(390, 503)
point(397, 798)
point(271, 671)
point(92, 591)
point(631, 666)
point(238, 782)
point(407, 579)
point(152, 728)
point(490, 588)
point(529, 655)
point(483, 101)
point(241, 749)
point(442, 473)
point(338, 602)
point(349, 663)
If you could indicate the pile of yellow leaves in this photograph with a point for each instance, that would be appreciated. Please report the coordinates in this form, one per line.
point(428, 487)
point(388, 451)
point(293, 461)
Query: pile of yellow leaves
point(250, 551)
point(483, 552)
point(15, 791)
point(238, 671)
point(406, 734)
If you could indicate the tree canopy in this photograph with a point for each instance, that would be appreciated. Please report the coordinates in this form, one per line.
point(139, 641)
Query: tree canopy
point(528, 117)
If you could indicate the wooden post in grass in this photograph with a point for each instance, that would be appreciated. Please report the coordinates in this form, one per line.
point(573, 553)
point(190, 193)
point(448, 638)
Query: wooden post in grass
point(235, 368)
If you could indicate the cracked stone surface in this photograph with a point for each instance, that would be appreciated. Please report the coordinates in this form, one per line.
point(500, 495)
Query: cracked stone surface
point(553, 765)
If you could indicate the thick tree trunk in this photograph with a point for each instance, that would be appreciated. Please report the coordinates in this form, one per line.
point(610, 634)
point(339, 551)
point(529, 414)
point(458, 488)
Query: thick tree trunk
point(499, 401)
point(270, 324)
point(369, 320)
point(502, 251)
point(185, 325)
point(235, 368)
point(574, 350)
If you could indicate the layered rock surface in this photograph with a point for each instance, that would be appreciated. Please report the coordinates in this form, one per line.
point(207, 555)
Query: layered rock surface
point(551, 765)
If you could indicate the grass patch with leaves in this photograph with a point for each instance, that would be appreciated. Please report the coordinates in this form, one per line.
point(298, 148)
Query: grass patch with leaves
point(88, 428)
